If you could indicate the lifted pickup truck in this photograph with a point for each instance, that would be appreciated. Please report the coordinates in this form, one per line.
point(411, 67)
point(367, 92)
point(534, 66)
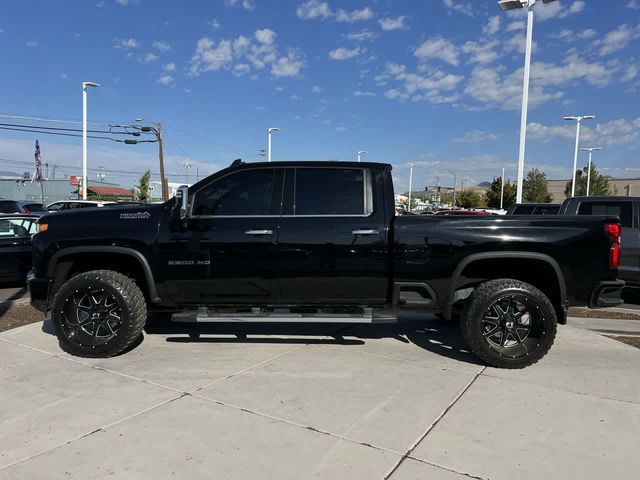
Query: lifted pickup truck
point(317, 242)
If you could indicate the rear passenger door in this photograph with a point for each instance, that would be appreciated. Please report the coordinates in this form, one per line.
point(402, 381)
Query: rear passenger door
point(630, 238)
point(333, 246)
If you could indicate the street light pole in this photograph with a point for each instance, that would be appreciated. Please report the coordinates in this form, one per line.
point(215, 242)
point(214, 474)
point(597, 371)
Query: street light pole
point(410, 183)
point(510, 5)
point(271, 130)
point(578, 120)
point(502, 191)
point(590, 150)
point(84, 135)
point(360, 153)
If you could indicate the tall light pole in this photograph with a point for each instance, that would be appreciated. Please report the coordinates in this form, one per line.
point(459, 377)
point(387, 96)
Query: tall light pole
point(590, 150)
point(410, 183)
point(187, 165)
point(511, 5)
point(271, 130)
point(578, 119)
point(84, 135)
point(502, 190)
point(360, 153)
point(454, 187)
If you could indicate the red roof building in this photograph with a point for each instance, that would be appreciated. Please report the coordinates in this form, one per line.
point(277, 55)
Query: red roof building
point(118, 192)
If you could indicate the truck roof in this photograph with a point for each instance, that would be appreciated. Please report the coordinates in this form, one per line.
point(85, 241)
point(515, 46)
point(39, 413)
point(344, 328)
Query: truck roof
point(312, 163)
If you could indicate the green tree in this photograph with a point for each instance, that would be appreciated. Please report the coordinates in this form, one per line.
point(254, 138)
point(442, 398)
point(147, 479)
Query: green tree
point(468, 199)
point(142, 189)
point(535, 188)
point(494, 191)
point(598, 185)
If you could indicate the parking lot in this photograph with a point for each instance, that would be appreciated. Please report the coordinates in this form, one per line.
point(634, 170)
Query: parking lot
point(397, 401)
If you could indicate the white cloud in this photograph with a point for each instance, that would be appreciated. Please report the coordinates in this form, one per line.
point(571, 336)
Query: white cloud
point(554, 10)
point(388, 24)
point(240, 69)
point(570, 35)
point(265, 36)
point(633, 5)
point(32, 43)
point(612, 134)
point(313, 9)
point(317, 89)
point(214, 23)
point(295, 98)
point(459, 7)
point(288, 66)
point(149, 57)
point(355, 15)
point(618, 39)
point(517, 25)
point(126, 44)
point(475, 136)
point(246, 4)
point(426, 87)
point(481, 52)
point(343, 53)
point(317, 10)
point(492, 27)
point(258, 51)
point(161, 46)
point(341, 129)
point(361, 93)
point(438, 48)
point(63, 76)
point(124, 3)
point(169, 67)
point(165, 80)
point(361, 36)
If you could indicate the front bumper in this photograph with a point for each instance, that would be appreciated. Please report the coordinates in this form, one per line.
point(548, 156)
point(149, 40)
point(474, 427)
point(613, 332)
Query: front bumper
point(607, 294)
point(39, 291)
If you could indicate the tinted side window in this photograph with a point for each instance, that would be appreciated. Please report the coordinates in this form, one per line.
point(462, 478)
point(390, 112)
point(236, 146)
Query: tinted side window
point(242, 193)
point(624, 210)
point(331, 191)
point(8, 207)
point(524, 210)
point(54, 207)
point(547, 210)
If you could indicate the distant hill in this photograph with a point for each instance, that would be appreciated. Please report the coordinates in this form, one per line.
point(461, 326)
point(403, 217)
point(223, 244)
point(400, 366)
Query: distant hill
point(484, 184)
point(4, 173)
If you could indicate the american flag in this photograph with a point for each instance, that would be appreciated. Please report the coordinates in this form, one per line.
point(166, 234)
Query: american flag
point(37, 175)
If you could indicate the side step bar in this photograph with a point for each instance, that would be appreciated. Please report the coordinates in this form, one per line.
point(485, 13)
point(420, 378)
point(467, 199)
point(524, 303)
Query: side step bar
point(204, 315)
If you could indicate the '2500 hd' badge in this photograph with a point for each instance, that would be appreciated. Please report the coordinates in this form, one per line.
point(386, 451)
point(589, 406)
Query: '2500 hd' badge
point(135, 216)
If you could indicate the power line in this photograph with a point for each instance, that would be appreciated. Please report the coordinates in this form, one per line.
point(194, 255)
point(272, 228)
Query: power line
point(72, 129)
point(76, 135)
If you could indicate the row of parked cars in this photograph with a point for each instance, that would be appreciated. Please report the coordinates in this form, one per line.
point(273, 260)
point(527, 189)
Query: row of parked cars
point(18, 221)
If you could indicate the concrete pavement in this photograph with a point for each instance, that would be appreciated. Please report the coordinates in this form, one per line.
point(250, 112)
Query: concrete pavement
point(402, 402)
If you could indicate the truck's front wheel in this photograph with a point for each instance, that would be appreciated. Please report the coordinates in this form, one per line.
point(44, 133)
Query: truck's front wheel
point(508, 323)
point(98, 314)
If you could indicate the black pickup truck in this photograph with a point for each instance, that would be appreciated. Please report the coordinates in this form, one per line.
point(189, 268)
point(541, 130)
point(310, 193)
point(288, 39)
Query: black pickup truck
point(317, 242)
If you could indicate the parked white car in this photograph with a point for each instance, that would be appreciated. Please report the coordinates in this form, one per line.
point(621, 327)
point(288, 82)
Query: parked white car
point(61, 205)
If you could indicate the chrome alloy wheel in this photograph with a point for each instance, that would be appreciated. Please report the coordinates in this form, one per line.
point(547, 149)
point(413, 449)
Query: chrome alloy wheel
point(91, 317)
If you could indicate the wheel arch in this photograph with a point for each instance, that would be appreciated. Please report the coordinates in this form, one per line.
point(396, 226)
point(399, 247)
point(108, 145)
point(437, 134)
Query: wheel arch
point(67, 257)
point(557, 293)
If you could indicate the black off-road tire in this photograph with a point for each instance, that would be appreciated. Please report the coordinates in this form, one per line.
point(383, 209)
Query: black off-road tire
point(542, 324)
point(128, 303)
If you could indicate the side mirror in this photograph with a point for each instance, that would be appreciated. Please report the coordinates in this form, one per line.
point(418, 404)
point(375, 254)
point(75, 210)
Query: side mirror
point(182, 202)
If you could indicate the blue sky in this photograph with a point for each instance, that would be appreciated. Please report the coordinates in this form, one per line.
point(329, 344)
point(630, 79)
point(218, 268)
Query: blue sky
point(432, 81)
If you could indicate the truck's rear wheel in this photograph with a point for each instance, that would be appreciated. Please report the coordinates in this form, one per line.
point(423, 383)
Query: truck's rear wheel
point(98, 314)
point(509, 323)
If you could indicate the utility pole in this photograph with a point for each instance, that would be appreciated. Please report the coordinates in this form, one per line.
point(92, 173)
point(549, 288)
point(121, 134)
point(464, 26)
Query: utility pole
point(262, 152)
point(164, 186)
point(53, 174)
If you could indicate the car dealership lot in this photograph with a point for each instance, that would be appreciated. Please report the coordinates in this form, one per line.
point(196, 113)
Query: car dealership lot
point(247, 401)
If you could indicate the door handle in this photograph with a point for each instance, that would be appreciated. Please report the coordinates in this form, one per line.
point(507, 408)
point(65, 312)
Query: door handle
point(366, 232)
point(259, 232)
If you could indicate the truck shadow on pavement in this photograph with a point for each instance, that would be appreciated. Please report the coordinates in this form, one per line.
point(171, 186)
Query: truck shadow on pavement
point(437, 336)
point(431, 334)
